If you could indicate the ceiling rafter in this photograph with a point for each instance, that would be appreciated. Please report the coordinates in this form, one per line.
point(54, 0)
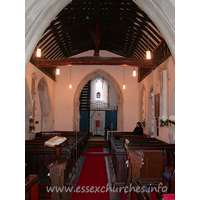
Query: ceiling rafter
point(118, 26)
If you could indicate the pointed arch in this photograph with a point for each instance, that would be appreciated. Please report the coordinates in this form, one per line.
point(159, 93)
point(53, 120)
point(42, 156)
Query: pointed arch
point(120, 118)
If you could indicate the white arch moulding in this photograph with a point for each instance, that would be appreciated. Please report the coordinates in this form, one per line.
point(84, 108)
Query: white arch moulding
point(120, 116)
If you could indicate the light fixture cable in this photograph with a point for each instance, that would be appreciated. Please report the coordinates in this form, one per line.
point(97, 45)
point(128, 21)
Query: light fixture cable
point(124, 86)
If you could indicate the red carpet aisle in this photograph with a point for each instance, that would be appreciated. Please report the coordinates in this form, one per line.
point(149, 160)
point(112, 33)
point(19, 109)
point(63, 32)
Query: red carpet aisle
point(93, 174)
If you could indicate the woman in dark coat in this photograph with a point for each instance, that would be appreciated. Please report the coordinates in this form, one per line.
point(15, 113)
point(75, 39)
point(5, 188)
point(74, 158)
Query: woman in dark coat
point(138, 129)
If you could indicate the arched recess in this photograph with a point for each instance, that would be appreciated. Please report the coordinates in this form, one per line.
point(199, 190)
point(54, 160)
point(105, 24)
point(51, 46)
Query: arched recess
point(39, 14)
point(45, 104)
point(28, 110)
point(120, 118)
point(172, 112)
point(151, 113)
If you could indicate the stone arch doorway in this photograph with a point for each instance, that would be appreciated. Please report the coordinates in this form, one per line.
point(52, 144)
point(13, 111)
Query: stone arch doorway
point(76, 117)
point(45, 104)
point(162, 14)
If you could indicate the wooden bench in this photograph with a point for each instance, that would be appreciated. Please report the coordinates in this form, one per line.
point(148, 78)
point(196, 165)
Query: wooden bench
point(156, 156)
point(134, 183)
point(31, 187)
point(37, 157)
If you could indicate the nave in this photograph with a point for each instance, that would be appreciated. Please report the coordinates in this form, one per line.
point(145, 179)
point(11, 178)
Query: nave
point(101, 66)
point(100, 168)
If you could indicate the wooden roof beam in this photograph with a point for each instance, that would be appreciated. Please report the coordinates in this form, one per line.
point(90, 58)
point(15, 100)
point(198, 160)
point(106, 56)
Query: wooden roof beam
point(94, 60)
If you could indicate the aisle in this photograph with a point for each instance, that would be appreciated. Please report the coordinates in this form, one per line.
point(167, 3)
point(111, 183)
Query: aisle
point(93, 177)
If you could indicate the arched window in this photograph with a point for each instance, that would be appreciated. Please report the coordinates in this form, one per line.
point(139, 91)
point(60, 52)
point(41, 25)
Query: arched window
point(99, 94)
point(99, 88)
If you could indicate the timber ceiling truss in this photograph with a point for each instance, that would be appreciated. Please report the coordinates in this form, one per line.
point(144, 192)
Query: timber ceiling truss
point(118, 26)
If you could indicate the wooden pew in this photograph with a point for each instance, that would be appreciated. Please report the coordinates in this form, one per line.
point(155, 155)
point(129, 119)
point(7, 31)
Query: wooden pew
point(70, 135)
point(71, 147)
point(117, 134)
point(151, 147)
point(82, 137)
point(40, 143)
point(38, 157)
point(138, 195)
point(169, 179)
point(137, 192)
point(31, 187)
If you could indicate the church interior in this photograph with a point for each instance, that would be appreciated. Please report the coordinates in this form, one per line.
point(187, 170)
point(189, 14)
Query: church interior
point(97, 71)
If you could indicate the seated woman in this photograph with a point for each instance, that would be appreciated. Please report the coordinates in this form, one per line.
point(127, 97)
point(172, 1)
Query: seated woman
point(138, 129)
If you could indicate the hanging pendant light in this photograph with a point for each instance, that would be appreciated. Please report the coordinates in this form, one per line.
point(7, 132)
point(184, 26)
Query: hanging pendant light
point(70, 85)
point(134, 73)
point(38, 53)
point(124, 86)
point(57, 71)
point(148, 52)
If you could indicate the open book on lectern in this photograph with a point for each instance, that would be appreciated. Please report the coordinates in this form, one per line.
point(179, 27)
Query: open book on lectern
point(55, 141)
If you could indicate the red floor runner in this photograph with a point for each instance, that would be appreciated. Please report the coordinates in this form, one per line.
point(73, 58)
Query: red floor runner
point(95, 149)
point(93, 174)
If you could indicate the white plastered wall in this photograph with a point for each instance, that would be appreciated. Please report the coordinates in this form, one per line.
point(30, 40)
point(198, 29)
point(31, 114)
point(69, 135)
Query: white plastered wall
point(39, 14)
point(64, 97)
point(51, 88)
point(154, 80)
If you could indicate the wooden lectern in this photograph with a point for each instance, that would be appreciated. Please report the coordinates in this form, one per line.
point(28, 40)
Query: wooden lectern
point(57, 168)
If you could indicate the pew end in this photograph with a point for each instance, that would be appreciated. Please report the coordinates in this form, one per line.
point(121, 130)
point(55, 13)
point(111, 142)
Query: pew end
point(31, 187)
point(137, 191)
point(169, 178)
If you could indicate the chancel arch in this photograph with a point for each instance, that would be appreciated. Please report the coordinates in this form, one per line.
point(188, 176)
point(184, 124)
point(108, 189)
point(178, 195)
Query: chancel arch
point(45, 105)
point(112, 80)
